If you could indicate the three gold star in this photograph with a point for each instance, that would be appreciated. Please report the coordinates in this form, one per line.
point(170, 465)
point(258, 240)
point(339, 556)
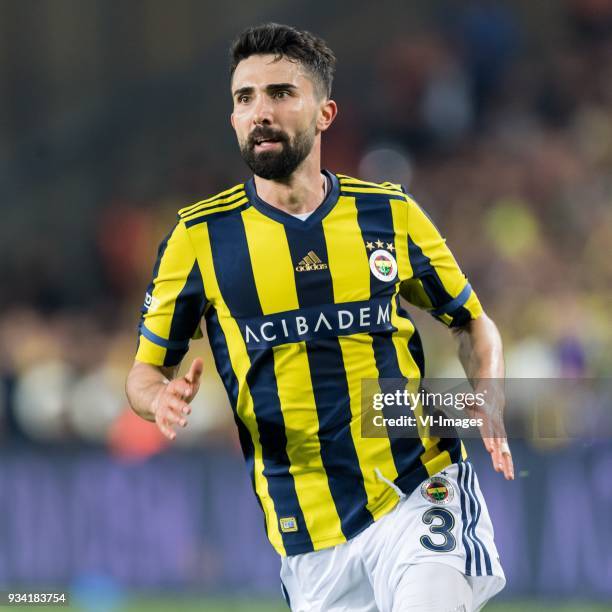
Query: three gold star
point(379, 245)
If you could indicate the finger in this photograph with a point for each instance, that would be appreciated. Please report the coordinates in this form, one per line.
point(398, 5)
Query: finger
point(178, 406)
point(508, 467)
point(174, 419)
point(491, 446)
point(506, 457)
point(167, 431)
point(179, 410)
point(195, 371)
point(488, 443)
point(172, 410)
point(180, 388)
point(507, 460)
point(496, 455)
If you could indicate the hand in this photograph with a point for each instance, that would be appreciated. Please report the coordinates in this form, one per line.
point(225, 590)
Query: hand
point(171, 404)
point(500, 455)
point(492, 430)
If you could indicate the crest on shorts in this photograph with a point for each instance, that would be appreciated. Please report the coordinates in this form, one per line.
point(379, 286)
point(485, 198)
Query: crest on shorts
point(437, 490)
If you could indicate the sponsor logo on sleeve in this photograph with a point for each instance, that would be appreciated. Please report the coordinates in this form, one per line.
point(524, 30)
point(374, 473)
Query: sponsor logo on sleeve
point(150, 303)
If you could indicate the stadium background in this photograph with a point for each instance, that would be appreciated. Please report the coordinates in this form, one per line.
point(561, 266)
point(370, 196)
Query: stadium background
point(497, 116)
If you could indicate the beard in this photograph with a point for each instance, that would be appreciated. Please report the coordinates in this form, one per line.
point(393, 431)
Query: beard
point(277, 165)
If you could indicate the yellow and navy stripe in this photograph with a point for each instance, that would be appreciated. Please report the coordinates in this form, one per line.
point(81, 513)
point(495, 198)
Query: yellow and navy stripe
point(324, 361)
point(231, 201)
point(381, 212)
point(177, 301)
point(293, 380)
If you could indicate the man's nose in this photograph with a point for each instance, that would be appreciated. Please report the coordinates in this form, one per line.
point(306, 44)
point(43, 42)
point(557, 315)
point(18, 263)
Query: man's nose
point(263, 111)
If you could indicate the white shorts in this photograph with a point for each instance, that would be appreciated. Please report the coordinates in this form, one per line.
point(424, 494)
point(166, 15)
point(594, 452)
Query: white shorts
point(444, 520)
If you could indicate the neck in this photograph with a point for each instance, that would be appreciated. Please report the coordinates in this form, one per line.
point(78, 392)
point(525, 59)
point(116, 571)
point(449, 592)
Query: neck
point(301, 192)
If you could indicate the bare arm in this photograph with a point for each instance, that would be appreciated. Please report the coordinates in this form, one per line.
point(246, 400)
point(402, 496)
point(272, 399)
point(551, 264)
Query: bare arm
point(480, 349)
point(156, 395)
point(481, 354)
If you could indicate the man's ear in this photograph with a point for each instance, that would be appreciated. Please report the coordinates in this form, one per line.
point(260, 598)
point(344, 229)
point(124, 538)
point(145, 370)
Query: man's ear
point(232, 120)
point(327, 113)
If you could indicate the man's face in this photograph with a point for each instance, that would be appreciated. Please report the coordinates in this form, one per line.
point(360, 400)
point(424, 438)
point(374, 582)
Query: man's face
point(275, 114)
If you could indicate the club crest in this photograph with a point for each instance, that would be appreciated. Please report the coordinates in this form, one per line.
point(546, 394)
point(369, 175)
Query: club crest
point(383, 265)
point(437, 490)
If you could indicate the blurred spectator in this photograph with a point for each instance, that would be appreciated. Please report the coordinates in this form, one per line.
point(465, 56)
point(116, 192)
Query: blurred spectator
point(502, 135)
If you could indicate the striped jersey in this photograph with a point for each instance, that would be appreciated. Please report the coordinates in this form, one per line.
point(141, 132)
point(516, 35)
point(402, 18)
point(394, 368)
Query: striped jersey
point(298, 313)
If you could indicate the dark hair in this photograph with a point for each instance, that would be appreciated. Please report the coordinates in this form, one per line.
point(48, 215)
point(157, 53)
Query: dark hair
point(291, 43)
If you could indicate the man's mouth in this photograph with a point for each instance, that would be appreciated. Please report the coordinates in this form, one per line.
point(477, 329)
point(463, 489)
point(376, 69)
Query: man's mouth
point(266, 143)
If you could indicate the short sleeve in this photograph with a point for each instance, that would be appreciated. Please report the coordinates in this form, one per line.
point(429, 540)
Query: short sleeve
point(174, 302)
point(437, 285)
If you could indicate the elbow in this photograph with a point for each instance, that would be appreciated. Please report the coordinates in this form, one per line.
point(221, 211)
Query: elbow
point(480, 329)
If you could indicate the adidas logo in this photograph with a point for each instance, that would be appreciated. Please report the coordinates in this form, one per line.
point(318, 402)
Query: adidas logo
point(311, 262)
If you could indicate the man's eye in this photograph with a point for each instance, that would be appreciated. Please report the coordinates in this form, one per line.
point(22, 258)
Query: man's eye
point(243, 99)
point(281, 94)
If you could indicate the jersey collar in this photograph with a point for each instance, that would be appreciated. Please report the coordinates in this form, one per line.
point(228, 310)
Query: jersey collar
point(283, 217)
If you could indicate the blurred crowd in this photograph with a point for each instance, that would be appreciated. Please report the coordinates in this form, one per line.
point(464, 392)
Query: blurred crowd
point(507, 143)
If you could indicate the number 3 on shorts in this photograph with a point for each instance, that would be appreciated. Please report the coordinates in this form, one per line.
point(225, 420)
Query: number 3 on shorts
point(443, 529)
